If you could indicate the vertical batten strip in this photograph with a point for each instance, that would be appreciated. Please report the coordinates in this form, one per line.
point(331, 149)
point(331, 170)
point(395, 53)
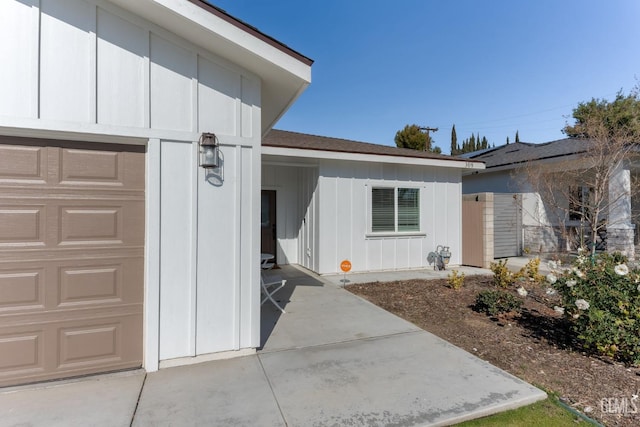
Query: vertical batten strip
point(92, 82)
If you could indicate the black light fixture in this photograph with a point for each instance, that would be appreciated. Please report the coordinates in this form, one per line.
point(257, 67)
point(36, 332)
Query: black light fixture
point(209, 151)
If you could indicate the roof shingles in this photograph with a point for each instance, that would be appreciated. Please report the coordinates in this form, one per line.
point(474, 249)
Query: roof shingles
point(287, 139)
point(519, 152)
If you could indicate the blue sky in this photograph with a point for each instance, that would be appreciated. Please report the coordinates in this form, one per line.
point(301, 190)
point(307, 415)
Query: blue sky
point(490, 67)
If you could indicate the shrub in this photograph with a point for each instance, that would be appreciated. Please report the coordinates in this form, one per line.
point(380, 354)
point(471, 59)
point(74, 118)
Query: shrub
point(497, 301)
point(601, 297)
point(455, 280)
point(502, 277)
point(531, 271)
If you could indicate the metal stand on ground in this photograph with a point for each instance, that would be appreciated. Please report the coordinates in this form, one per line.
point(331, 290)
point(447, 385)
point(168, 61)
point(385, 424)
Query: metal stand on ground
point(345, 266)
point(344, 281)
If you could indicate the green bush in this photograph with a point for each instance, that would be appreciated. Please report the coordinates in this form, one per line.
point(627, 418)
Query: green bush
point(531, 271)
point(455, 280)
point(497, 301)
point(601, 297)
point(502, 277)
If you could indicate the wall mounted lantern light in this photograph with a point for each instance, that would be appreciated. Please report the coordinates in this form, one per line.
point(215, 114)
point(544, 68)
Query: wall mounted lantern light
point(209, 151)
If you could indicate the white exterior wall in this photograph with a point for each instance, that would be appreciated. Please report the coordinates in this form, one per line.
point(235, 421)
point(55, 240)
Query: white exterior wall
point(344, 216)
point(309, 240)
point(87, 70)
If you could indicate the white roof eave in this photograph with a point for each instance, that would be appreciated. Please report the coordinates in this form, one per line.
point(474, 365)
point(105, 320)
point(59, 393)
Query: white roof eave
point(299, 153)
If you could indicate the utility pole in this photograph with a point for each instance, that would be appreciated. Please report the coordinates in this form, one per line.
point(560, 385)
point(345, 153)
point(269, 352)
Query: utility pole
point(427, 129)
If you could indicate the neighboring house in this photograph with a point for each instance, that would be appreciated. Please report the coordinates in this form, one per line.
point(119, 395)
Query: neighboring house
point(504, 174)
point(116, 249)
point(380, 207)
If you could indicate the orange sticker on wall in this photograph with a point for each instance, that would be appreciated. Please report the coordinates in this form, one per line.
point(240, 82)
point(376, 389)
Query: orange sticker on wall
point(345, 266)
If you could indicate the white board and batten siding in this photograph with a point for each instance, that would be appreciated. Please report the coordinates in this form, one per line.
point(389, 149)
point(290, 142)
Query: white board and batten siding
point(344, 216)
point(86, 69)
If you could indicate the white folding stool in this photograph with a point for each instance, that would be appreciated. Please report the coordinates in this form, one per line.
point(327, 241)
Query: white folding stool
point(271, 285)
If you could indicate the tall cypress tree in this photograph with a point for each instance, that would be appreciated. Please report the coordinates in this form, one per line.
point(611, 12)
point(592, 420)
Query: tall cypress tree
point(454, 141)
point(474, 143)
point(517, 137)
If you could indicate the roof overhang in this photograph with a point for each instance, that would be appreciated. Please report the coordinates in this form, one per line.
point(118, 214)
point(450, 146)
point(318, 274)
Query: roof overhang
point(284, 73)
point(301, 156)
point(571, 161)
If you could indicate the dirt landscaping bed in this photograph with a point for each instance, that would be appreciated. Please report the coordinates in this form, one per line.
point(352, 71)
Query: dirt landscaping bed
point(536, 345)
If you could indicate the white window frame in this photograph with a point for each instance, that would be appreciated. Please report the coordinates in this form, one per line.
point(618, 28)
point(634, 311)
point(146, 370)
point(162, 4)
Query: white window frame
point(395, 186)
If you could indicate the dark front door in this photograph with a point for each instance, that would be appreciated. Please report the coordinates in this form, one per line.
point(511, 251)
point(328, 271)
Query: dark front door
point(268, 223)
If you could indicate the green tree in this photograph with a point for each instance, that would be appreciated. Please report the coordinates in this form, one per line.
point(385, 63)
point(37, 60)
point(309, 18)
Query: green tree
point(411, 136)
point(454, 141)
point(612, 119)
point(507, 140)
point(517, 137)
point(473, 143)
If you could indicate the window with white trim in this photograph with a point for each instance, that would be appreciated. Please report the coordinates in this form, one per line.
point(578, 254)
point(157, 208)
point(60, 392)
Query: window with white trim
point(395, 210)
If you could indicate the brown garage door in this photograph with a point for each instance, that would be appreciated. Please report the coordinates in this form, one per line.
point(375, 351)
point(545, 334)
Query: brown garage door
point(71, 258)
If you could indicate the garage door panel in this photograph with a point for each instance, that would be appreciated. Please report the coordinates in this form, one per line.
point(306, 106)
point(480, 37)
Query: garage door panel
point(86, 343)
point(22, 225)
point(46, 286)
point(111, 222)
point(70, 163)
point(90, 284)
point(101, 169)
point(71, 258)
point(134, 172)
point(20, 353)
point(90, 225)
point(20, 164)
point(90, 344)
point(41, 222)
point(91, 167)
point(64, 349)
point(100, 282)
point(22, 289)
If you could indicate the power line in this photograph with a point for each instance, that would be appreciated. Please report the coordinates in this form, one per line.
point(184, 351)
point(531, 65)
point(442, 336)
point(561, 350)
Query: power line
point(573, 105)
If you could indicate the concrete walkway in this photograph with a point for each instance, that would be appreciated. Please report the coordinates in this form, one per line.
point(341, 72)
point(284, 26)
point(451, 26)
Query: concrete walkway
point(333, 359)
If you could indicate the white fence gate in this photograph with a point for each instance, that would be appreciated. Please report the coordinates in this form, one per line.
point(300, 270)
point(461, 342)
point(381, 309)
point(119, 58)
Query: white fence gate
point(507, 225)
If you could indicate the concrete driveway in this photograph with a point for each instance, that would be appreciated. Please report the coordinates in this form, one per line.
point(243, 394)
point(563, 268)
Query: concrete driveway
point(333, 359)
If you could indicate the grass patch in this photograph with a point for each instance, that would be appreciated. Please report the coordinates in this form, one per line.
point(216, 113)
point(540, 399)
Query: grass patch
point(541, 414)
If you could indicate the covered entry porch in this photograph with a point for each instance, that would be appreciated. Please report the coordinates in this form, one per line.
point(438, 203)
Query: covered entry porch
point(289, 212)
point(382, 208)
